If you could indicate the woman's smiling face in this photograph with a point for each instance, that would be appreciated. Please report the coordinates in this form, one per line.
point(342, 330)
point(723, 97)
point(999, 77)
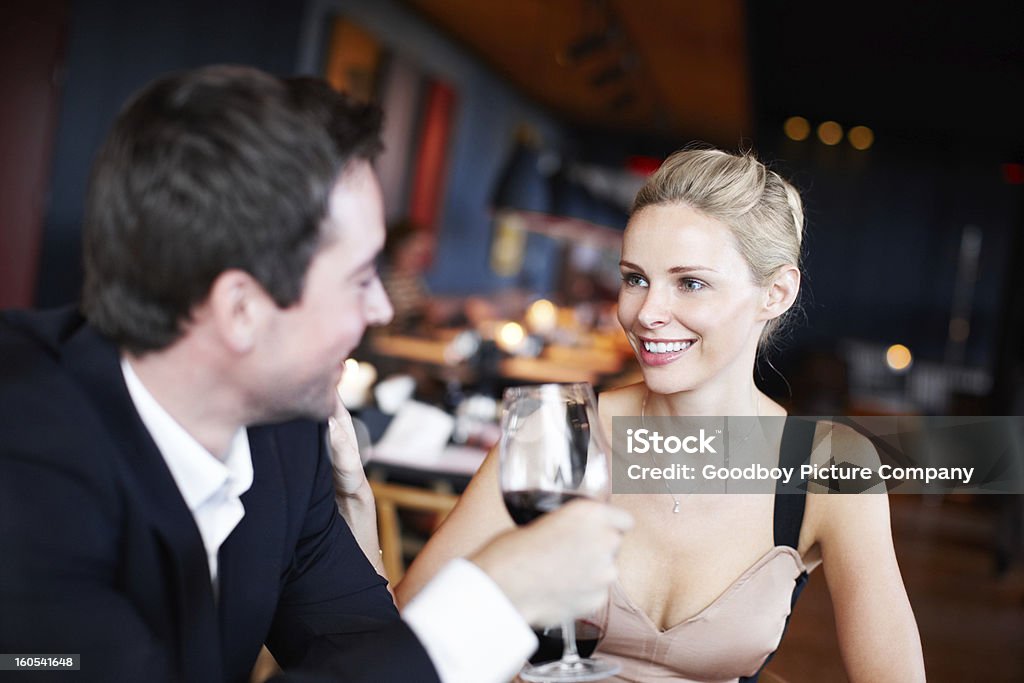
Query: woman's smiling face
point(688, 302)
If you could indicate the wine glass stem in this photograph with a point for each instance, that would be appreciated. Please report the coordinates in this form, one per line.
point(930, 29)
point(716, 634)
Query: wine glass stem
point(569, 653)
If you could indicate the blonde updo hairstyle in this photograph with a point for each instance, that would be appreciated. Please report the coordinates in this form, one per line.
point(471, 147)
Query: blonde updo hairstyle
point(763, 211)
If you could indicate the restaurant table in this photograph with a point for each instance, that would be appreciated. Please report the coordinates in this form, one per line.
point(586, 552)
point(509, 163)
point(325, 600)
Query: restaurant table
point(557, 363)
point(454, 466)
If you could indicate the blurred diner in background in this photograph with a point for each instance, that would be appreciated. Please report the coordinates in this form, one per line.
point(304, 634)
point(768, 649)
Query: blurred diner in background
point(517, 133)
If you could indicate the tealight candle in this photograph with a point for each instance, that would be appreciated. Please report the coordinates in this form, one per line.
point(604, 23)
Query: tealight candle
point(510, 337)
point(355, 384)
point(542, 317)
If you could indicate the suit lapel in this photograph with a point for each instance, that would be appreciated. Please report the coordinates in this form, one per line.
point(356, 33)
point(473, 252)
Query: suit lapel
point(251, 559)
point(95, 363)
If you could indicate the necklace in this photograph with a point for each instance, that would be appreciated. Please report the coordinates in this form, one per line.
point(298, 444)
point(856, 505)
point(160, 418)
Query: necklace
point(668, 489)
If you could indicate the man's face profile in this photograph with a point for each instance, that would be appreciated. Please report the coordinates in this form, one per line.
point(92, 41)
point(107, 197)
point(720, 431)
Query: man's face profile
point(306, 344)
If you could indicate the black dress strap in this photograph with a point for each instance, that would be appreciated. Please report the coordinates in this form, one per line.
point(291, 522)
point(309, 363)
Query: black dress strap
point(790, 499)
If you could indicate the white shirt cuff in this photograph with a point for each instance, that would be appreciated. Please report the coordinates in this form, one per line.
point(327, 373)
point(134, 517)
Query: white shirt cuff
point(469, 628)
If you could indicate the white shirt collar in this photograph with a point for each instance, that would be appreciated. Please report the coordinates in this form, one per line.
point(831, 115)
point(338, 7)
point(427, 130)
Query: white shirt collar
point(209, 486)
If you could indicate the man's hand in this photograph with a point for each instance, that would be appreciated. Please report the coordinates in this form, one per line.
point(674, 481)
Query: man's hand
point(561, 565)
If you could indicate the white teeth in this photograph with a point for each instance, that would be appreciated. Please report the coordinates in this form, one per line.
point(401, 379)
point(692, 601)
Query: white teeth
point(666, 347)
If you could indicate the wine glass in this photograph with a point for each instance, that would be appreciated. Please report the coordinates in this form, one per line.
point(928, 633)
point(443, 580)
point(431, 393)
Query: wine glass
point(588, 630)
point(552, 451)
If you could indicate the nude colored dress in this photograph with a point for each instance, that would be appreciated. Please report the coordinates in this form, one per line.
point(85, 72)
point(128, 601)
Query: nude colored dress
point(731, 639)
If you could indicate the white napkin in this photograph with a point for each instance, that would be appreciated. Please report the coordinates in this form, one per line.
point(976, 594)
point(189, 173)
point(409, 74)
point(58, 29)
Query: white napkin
point(417, 431)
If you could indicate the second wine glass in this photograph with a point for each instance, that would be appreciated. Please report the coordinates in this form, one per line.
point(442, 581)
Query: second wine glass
point(552, 451)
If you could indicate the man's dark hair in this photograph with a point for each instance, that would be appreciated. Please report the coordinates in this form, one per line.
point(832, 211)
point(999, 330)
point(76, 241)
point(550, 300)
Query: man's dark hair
point(208, 170)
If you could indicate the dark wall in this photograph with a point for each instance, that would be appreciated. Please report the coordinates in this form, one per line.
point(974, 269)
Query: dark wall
point(940, 87)
point(883, 245)
point(117, 46)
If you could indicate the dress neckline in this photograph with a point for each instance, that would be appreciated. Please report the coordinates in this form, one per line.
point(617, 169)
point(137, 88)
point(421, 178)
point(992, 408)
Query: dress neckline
point(734, 586)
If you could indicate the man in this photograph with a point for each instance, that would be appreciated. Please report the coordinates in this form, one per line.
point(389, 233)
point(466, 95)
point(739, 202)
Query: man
point(166, 504)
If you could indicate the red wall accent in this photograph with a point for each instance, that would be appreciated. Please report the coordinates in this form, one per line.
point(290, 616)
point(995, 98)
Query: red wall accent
point(431, 158)
point(32, 38)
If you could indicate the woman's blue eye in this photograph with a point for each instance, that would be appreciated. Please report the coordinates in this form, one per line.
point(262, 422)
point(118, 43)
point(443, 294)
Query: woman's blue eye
point(634, 280)
point(692, 285)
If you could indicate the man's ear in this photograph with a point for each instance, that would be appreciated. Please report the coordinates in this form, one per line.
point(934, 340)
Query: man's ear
point(238, 306)
point(781, 292)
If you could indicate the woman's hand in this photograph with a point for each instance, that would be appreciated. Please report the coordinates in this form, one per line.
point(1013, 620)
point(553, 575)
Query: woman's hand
point(352, 491)
point(349, 477)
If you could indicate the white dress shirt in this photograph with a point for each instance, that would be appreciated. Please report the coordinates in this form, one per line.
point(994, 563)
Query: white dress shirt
point(211, 487)
point(470, 630)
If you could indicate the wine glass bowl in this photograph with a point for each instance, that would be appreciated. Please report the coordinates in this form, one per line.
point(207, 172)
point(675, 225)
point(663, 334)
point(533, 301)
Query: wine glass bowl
point(551, 447)
point(553, 450)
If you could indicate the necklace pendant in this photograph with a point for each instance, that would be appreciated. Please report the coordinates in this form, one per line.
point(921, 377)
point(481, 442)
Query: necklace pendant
point(675, 508)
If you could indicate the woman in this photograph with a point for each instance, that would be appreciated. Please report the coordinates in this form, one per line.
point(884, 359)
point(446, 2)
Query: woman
point(710, 267)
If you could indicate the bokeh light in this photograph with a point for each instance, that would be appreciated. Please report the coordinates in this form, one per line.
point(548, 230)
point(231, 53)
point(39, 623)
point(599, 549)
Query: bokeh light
point(898, 357)
point(861, 137)
point(511, 336)
point(797, 128)
point(542, 316)
point(830, 132)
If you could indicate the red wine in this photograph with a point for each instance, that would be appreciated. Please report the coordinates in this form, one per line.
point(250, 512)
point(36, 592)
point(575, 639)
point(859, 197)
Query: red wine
point(526, 506)
point(588, 634)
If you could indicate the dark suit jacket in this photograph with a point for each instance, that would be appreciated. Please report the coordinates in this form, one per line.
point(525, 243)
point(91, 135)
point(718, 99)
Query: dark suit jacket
point(99, 555)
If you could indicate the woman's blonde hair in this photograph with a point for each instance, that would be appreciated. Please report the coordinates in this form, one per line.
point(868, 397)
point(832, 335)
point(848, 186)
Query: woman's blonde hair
point(763, 211)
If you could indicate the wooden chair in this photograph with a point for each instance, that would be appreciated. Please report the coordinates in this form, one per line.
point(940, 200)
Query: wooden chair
point(394, 497)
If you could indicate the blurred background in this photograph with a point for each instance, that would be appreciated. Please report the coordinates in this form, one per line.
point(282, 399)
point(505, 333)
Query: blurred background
point(517, 133)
